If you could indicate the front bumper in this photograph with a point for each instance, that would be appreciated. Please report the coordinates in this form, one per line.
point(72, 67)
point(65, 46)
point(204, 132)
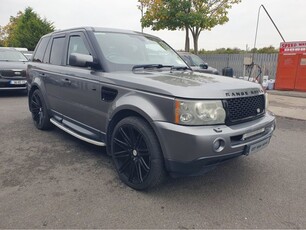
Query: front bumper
point(189, 150)
point(13, 84)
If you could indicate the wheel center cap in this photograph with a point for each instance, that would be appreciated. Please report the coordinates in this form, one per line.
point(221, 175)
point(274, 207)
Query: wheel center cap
point(134, 153)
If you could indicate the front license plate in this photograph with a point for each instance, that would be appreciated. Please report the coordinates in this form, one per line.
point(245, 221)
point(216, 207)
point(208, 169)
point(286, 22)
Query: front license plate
point(18, 82)
point(258, 146)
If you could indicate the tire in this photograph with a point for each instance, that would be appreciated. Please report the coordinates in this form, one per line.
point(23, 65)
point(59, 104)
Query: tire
point(39, 111)
point(137, 154)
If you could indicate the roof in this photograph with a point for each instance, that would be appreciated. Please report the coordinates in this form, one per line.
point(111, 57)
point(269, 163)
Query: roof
point(8, 48)
point(100, 29)
point(184, 52)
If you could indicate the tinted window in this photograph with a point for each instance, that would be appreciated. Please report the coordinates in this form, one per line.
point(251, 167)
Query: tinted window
point(76, 45)
point(57, 51)
point(40, 51)
point(196, 60)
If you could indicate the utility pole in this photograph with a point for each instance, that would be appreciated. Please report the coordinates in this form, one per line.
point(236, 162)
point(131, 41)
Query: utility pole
point(262, 6)
point(141, 9)
point(255, 40)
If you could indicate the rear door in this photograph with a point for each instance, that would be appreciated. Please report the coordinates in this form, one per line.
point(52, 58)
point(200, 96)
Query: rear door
point(52, 75)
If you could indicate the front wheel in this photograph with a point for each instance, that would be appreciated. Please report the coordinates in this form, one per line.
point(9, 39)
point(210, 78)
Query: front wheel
point(136, 154)
point(39, 111)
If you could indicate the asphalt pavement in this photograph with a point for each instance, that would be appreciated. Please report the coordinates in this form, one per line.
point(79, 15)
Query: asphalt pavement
point(49, 179)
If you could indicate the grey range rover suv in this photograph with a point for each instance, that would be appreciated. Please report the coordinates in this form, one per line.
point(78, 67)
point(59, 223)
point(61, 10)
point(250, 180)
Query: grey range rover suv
point(132, 93)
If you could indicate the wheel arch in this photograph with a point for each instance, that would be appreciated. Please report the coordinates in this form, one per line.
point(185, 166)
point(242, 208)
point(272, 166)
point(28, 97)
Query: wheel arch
point(37, 84)
point(149, 107)
point(124, 112)
point(135, 147)
point(30, 93)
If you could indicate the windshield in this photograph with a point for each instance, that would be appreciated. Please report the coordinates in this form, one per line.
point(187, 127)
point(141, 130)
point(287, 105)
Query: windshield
point(12, 55)
point(193, 60)
point(124, 51)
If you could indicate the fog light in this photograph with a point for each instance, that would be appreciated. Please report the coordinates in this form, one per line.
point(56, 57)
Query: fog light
point(218, 145)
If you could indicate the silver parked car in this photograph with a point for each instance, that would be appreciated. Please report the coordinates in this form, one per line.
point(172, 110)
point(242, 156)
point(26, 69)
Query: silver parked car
point(197, 64)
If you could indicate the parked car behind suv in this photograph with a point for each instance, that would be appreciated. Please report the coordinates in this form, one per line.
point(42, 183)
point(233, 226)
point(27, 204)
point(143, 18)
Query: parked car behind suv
point(132, 93)
point(12, 69)
point(197, 64)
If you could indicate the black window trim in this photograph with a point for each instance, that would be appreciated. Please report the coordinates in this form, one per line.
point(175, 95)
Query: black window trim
point(48, 38)
point(85, 40)
point(61, 35)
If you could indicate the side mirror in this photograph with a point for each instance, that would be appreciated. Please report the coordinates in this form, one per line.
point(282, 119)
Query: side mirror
point(81, 60)
point(204, 66)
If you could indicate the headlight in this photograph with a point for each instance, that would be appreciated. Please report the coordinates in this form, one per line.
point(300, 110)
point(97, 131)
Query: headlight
point(266, 101)
point(199, 112)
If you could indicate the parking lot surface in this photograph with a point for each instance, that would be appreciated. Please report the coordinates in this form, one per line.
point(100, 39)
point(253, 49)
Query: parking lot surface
point(49, 179)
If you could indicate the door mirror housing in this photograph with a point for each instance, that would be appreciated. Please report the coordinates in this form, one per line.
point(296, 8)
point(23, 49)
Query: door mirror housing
point(204, 66)
point(81, 60)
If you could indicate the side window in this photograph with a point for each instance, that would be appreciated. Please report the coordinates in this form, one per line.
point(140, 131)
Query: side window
point(40, 50)
point(76, 45)
point(188, 60)
point(57, 51)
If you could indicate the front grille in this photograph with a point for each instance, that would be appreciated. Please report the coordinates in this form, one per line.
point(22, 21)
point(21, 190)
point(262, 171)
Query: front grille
point(12, 73)
point(244, 109)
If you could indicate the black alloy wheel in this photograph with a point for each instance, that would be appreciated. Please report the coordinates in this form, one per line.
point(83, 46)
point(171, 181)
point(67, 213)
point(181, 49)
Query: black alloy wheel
point(39, 111)
point(136, 154)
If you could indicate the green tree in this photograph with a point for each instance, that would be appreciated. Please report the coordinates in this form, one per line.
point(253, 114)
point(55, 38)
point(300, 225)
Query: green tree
point(25, 29)
point(8, 30)
point(223, 51)
point(268, 50)
point(1, 37)
point(191, 15)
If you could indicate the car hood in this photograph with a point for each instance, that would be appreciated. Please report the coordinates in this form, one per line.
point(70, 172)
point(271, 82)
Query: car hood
point(9, 65)
point(189, 85)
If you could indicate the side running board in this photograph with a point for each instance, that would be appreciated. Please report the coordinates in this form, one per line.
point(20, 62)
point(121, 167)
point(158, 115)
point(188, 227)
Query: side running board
point(59, 125)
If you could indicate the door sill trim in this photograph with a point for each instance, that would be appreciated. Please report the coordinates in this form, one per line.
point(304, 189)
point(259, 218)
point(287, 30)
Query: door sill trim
point(59, 125)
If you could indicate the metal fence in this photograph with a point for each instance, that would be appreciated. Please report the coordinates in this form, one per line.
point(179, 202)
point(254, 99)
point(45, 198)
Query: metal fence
point(267, 62)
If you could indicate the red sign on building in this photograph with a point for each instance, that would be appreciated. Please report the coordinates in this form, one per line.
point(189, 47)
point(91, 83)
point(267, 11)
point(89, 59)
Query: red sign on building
point(291, 68)
point(292, 47)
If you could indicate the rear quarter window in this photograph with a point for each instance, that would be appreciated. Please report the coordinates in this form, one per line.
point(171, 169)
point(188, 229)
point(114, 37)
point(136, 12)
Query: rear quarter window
point(40, 50)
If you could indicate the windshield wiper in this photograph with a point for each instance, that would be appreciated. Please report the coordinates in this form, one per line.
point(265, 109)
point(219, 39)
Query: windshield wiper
point(180, 68)
point(151, 66)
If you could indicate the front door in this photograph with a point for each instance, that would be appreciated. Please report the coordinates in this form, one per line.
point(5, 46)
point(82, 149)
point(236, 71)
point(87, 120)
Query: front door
point(82, 91)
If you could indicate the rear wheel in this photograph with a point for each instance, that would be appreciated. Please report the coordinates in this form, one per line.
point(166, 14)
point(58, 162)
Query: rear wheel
point(136, 154)
point(39, 111)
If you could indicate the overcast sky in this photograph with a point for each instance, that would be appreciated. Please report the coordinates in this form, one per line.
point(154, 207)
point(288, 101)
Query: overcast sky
point(289, 16)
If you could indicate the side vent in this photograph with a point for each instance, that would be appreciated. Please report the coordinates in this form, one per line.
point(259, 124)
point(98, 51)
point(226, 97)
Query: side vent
point(108, 94)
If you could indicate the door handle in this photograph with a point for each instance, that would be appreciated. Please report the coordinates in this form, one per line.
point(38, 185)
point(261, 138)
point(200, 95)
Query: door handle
point(66, 81)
